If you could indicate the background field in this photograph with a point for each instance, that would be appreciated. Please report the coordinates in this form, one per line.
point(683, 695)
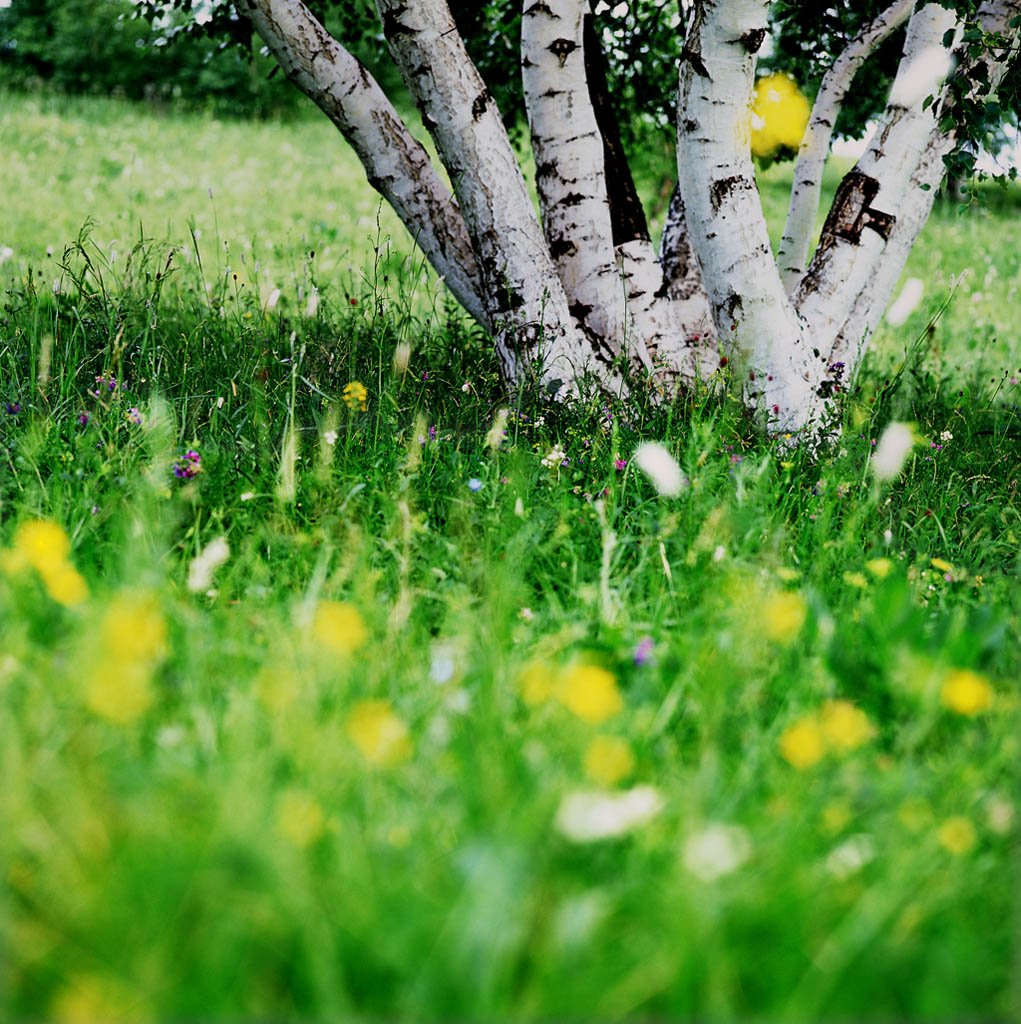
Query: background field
point(340, 777)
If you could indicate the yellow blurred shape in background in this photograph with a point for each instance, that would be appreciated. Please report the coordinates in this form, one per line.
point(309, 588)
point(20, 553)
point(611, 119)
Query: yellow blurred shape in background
point(380, 736)
point(779, 115)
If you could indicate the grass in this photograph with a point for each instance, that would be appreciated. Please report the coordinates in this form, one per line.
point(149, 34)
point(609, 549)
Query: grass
point(339, 778)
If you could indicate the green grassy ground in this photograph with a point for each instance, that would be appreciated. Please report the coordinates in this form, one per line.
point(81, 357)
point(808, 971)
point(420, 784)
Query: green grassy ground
point(363, 768)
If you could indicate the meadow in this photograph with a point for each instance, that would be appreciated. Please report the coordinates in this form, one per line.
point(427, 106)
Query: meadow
point(336, 683)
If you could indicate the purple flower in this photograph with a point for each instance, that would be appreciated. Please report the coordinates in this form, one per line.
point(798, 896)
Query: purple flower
point(83, 418)
point(134, 415)
point(13, 408)
point(188, 466)
point(643, 651)
point(474, 484)
point(620, 465)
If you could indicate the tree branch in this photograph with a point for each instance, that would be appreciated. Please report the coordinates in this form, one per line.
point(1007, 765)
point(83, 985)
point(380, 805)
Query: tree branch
point(396, 164)
point(804, 205)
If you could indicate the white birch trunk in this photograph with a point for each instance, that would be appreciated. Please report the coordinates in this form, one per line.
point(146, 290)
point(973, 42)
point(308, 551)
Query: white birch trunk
point(815, 146)
point(396, 164)
point(570, 170)
point(527, 304)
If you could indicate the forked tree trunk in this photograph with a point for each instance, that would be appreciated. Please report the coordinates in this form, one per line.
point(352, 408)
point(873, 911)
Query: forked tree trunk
point(580, 291)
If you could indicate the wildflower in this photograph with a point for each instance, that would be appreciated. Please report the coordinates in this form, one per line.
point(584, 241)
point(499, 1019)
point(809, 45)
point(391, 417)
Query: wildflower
point(802, 743)
point(526, 615)
point(83, 418)
point(850, 856)
point(783, 616)
point(188, 466)
point(338, 627)
point(12, 408)
point(585, 817)
point(299, 818)
point(355, 396)
point(906, 303)
point(716, 851)
point(966, 692)
point(620, 465)
point(879, 567)
point(844, 726)
point(134, 415)
point(946, 436)
point(496, 432)
point(65, 584)
point(660, 467)
point(42, 545)
point(380, 736)
point(474, 484)
point(856, 579)
point(643, 651)
point(210, 558)
point(894, 446)
point(330, 437)
point(555, 457)
point(466, 387)
point(957, 835)
point(590, 692)
point(536, 683)
point(941, 564)
point(779, 115)
point(608, 760)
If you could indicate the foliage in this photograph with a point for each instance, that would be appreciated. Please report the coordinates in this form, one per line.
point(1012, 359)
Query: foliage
point(356, 761)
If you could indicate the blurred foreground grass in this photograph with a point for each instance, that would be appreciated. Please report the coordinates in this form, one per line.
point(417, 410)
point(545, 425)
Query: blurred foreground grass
point(328, 701)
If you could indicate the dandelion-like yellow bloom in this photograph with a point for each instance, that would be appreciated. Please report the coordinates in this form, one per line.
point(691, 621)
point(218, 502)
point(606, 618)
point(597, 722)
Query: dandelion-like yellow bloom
point(590, 692)
point(609, 760)
point(783, 615)
point(957, 835)
point(65, 584)
point(43, 545)
point(844, 726)
point(536, 683)
point(120, 692)
point(380, 736)
point(966, 692)
point(355, 396)
point(942, 564)
point(879, 567)
point(802, 744)
point(338, 627)
point(856, 579)
point(779, 115)
point(299, 818)
point(133, 629)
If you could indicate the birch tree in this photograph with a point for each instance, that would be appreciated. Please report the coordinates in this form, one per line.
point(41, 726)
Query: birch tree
point(576, 291)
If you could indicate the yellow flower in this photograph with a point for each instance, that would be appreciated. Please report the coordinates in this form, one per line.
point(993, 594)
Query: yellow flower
point(802, 743)
point(779, 115)
point(299, 818)
point(355, 396)
point(590, 692)
point(783, 615)
point(133, 629)
point(536, 683)
point(941, 564)
point(119, 692)
point(856, 579)
point(966, 692)
point(844, 726)
point(42, 544)
point(380, 736)
point(338, 627)
point(957, 835)
point(608, 760)
point(65, 584)
point(879, 567)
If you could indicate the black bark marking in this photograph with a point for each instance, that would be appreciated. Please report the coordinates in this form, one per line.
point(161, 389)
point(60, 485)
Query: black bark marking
point(480, 104)
point(572, 199)
point(562, 49)
point(732, 304)
point(724, 187)
point(752, 40)
point(540, 8)
point(852, 212)
point(694, 58)
point(579, 310)
point(627, 215)
point(562, 247)
point(392, 25)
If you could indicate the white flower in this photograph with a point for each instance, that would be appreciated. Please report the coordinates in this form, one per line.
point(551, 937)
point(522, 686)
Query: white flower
point(526, 615)
point(210, 558)
point(946, 436)
point(906, 303)
point(247, 496)
point(716, 851)
point(466, 386)
point(330, 437)
point(495, 436)
point(554, 458)
point(585, 817)
point(850, 856)
point(660, 467)
point(893, 449)
point(720, 553)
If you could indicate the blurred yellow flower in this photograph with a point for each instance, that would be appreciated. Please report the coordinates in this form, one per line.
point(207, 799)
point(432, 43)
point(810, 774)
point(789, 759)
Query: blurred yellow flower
point(802, 743)
point(65, 584)
point(590, 692)
point(779, 115)
point(966, 692)
point(355, 396)
point(879, 567)
point(338, 627)
point(536, 683)
point(133, 629)
point(380, 736)
point(119, 691)
point(856, 579)
point(41, 544)
point(783, 614)
point(609, 760)
point(941, 564)
point(957, 835)
point(844, 726)
point(299, 818)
